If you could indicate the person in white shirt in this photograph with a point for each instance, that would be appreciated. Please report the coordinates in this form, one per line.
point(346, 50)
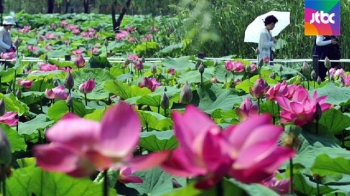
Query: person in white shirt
point(323, 48)
point(6, 44)
point(266, 41)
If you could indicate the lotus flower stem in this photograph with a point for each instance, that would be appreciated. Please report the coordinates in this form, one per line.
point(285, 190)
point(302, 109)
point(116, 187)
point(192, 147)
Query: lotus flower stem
point(0, 85)
point(105, 183)
point(17, 117)
point(220, 189)
point(259, 105)
point(85, 99)
point(41, 101)
point(318, 187)
point(14, 83)
point(158, 109)
point(202, 79)
point(147, 127)
point(3, 179)
point(316, 126)
point(291, 186)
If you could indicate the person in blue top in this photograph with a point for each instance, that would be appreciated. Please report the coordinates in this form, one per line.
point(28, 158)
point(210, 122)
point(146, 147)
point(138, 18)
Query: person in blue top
point(326, 46)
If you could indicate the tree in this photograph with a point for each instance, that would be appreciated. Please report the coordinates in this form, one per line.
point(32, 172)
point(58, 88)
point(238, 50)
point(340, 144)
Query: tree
point(86, 6)
point(116, 23)
point(50, 6)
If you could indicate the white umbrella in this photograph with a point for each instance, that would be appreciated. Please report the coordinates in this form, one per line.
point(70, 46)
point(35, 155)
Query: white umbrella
point(252, 33)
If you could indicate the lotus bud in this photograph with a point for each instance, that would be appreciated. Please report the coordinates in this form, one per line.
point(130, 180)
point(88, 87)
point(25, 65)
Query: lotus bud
point(69, 82)
point(154, 69)
point(332, 77)
point(313, 75)
point(319, 81)
point(2, 107)
point(197, 65)
point(106, 42)
point(248, 69)
point(327, 63)
point(186, 95)
point(318, 112)
point(216, 63)
point(56, 83)
point(342, 82)
point(46, 58)
point(87, 86)
point(69, 101)
point(257, 51)
point(9, 90)
point(165, 89)
point(5, 150)
point(127, 62)
point(29, 67)
point(226, 75)
point(178, 85)
point(273, 75)
point(306, 69)
point(176, 184)
point(164, 102)
point(201, 68)
point(143, 60)
point(281, 68)
point(259, 89)
point(213, 80)
point(80, 61)
point(18, 93)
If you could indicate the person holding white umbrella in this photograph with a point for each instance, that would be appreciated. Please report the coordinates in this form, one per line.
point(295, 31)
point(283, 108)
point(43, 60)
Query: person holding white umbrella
point(266, 41)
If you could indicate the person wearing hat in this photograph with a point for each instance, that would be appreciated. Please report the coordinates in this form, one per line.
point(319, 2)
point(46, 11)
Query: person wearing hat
point(6, 44)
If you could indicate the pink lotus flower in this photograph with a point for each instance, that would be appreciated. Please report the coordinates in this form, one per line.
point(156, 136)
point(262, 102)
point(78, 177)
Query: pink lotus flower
point(249, 151)
point(133, 57)
point(346, 79)
point(8, 55)
point(130, 29)
point(47, 67)
point(279, 186)
point(132, 40)
point(331, 71)
point(172, 71)
point(25, 29)
point(247, 109)
point(150, 83)
point(63, 23)
point(339, 73)
point(266, 59)
point(253, 147)
point(25, 83)
point(9, 118)
point(253, 67)
point(71, 27)
point(56, 93)
point(32, 48)
point(76, 31)
point(302, 107)
point(53, 25)
point(77, 52)
point(87, 87)
point(80, 61)
point(94, 51)
point(122, 35)
point(229, 65)
point(153, 28)
point(126, 177)
point(50, 36)
point(281, 89)
point(147, 37)
point(138, 65)
point(79, 146)
point(259, 89)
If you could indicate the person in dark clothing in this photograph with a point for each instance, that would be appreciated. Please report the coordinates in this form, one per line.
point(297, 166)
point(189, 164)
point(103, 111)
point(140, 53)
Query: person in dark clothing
point(326, 46)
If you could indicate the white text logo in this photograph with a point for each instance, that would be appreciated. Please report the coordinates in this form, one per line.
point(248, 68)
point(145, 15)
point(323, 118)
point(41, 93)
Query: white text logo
point(320, 18)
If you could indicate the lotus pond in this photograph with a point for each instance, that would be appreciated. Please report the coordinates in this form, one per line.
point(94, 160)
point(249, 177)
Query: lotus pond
point(184, 125)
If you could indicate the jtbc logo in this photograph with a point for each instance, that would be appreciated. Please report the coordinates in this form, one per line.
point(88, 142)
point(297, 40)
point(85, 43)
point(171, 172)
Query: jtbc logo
point(316, 17)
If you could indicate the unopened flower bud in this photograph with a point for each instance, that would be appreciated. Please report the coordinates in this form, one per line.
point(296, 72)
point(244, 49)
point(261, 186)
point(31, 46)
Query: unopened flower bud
point(164, 102)
point(46, 58)
point(69, 101)
point(154, 69)
point(281, 68)
point(318, 112)
point(319, 81)
point(306, 69)
point(197, 65)
point(2, 107)
point(5, 150)
point(106, 42)
point(313, 74)
point(56, 83)
point(257, 51)
point(248, 69)
point(342, 82)
point(186, 95)
point(216, 63)
point(273, 75)
point(176, 184)
point(261, 63)
point(69, 82)
point(143, 60)
point(18, 93)
point(327, 63)
point(165, 89)
point(9, 90)
point(201, 68)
